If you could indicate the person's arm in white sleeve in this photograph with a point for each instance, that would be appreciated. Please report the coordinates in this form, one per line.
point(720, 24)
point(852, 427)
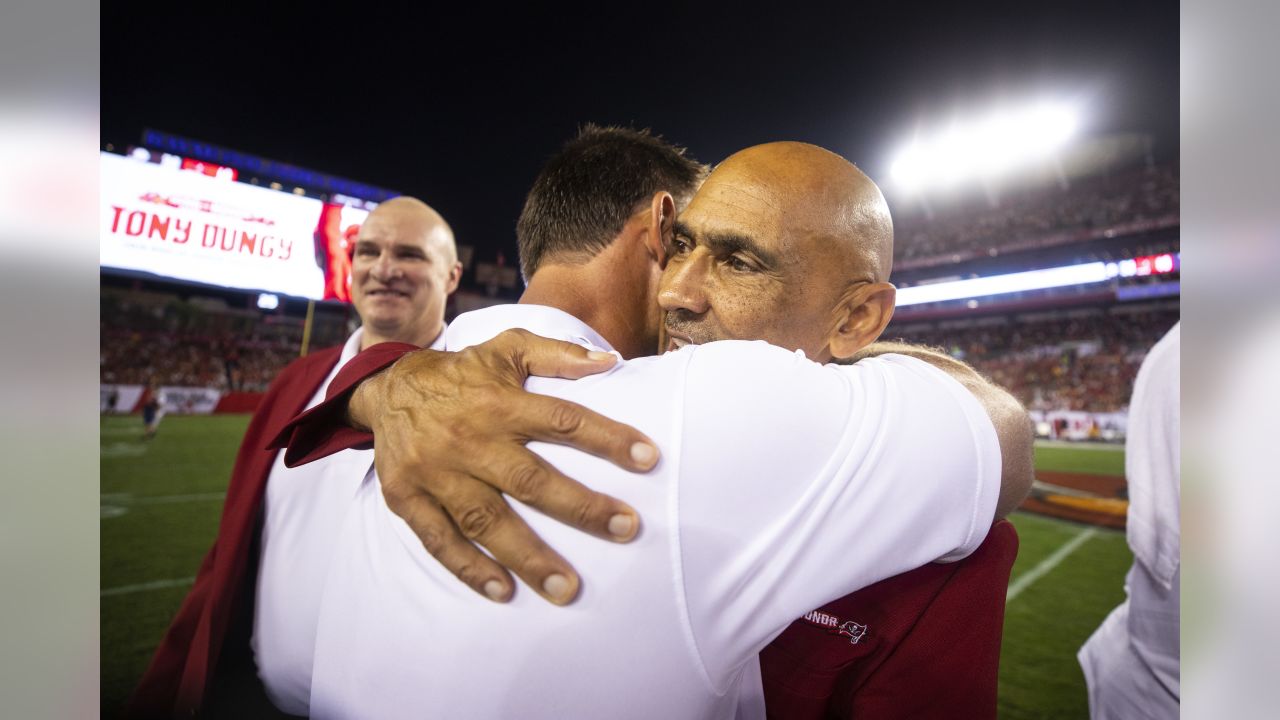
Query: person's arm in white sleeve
point(800, 483)
point(1013, 425)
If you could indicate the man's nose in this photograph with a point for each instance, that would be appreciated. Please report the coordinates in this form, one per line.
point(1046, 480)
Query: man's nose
point(385, 267)
point(684, 284)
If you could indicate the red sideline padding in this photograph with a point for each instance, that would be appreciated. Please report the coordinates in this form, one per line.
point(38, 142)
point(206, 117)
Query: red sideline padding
point(238, 402)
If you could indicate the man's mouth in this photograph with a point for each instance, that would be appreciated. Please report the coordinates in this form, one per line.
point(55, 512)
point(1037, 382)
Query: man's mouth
point(675, 342)
point(386, 293)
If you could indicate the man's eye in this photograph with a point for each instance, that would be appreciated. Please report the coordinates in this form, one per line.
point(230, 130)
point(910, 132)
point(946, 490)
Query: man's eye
point(681, 245)
point(737, 264)
point(365, 251)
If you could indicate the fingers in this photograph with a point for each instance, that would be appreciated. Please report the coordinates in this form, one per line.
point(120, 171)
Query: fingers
point(539, 417)
point(545, 357)
point(528, 478)
point(515, 354)
point(446, 544)
point(484, 517)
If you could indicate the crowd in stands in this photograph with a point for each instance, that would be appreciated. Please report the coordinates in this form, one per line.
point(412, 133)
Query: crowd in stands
point(1061, 360)
point(1084, 360)
point(152, 337)
point(1039, 218)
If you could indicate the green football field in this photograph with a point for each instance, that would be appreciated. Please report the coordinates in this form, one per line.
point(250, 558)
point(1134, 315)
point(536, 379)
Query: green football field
point(161, 501)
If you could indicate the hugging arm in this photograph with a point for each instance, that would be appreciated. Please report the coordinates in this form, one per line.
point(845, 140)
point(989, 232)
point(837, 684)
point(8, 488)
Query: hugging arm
point(448, 431)
point(1013, 426)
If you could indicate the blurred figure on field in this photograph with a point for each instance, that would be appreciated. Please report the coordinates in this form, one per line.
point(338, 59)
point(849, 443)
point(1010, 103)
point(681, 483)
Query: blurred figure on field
point(152, 410)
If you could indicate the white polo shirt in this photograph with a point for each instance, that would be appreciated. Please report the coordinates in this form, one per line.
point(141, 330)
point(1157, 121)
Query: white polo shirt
point(783, 484)
point(303, 507)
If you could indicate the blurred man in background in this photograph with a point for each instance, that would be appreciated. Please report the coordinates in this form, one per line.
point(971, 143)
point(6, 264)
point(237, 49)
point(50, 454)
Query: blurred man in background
point(259, 586)
point(1132, 662)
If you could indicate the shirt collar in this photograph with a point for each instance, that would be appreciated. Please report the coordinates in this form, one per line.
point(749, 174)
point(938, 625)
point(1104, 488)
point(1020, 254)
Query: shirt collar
point(352, 348)
point(479, 326)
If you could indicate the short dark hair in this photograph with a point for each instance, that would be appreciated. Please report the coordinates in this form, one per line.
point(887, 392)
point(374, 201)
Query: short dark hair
point(587, 191)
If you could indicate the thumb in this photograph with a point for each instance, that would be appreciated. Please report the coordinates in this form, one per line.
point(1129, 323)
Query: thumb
point(545, 357)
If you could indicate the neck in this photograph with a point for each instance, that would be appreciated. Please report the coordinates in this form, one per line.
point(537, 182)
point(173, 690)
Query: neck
point(597, 296)
point(372, 336)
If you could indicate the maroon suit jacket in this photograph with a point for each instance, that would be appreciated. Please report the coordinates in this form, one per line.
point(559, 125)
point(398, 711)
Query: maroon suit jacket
point(923, 644)
point(177, 682)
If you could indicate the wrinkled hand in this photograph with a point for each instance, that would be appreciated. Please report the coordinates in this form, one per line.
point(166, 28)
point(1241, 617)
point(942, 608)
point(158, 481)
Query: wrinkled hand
point(449, 433)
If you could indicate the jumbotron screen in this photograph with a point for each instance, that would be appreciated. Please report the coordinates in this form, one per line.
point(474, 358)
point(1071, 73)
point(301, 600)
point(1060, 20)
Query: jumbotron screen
point(185, 224)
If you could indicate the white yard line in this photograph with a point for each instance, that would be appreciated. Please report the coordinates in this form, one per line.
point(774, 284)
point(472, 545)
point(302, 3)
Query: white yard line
point(116, 505)
point(122, 450)
point(166, 499)
point(131, 499)
point(1026, 579)
point(143, 587)
point(122, 430)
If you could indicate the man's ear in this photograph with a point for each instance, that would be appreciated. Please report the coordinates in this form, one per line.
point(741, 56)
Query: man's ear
point(455, 276)
point(660, 226)
point(860, 316)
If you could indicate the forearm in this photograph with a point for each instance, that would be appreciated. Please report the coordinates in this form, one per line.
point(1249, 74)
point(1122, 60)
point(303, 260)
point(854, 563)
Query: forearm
point(327, 427)
point(1013, 426)
point(365, 400)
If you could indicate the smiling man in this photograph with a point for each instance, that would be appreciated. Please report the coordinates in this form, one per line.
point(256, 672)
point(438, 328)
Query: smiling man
point(404, 267)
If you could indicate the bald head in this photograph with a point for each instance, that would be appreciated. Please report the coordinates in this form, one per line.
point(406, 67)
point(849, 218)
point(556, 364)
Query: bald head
point(784, 242)
point(404, 267)
point(412, 217)
point(816, 192)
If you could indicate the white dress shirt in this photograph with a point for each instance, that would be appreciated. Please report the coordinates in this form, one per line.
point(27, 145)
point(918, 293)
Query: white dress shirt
point(303, 508)
point(783, 484)
point(1132, 661)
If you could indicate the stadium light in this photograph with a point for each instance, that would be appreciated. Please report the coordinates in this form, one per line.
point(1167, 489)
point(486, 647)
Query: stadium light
point(1060, 276)
point(985, 147)
point(1003, 284)
point(268, 301)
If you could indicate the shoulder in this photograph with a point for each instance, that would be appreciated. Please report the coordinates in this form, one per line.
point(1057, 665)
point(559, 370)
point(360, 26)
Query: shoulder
point(325, 359)
point(1165, 357)
point(305, 373)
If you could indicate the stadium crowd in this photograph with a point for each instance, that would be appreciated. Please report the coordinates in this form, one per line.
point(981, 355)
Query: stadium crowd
point(1050, 362)
point(154, 337)
point(1042, 217)
point(1056, 361)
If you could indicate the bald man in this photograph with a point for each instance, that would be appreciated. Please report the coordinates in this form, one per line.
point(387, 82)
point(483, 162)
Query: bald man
point(760, 254)
point(775, 468)
point(260, 584)
point(787, 243)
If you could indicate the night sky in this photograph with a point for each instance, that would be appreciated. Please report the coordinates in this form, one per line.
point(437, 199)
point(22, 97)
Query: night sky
point(460, 107)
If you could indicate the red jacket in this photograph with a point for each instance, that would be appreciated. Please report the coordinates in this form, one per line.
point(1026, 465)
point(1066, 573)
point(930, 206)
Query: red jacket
point(177, 682)
point(927, 641)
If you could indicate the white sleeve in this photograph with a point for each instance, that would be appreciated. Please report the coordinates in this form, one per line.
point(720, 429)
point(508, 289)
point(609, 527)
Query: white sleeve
point(800, 483)
point(1153, 459)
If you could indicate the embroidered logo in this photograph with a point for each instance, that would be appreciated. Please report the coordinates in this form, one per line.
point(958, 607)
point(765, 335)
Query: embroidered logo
point(835, 626)
point(853, 631)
